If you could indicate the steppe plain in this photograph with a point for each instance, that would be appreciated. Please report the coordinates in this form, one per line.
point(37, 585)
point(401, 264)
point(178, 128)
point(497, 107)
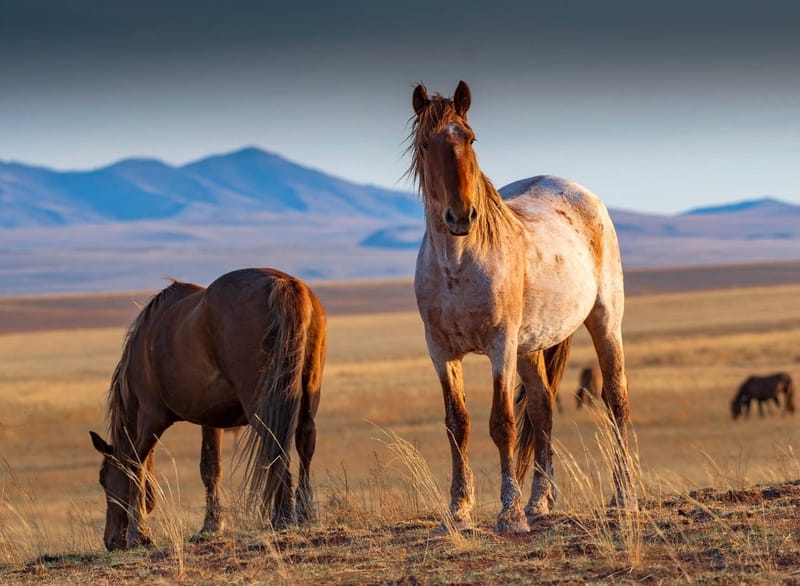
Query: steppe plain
point(719, 500)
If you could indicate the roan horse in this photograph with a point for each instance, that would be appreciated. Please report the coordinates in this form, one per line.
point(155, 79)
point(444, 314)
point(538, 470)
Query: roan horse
point(248, 349)
point(764, 389)
point(590, 386)
point(513, 280)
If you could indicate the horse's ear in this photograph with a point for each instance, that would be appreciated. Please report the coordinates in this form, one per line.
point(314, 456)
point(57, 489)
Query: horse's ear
point(420, 98)
point(462, 99)
point(100, 444)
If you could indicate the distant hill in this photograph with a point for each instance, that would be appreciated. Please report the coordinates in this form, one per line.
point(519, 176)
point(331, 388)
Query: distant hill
point(219, 186)
point(764, 205)
point(128, 225)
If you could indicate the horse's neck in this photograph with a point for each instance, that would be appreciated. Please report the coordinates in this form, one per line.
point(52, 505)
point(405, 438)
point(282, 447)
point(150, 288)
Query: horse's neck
point(487, 237)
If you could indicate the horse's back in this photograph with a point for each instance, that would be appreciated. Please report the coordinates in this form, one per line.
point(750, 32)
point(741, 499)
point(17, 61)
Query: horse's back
point(550, 187)
point(239, 303)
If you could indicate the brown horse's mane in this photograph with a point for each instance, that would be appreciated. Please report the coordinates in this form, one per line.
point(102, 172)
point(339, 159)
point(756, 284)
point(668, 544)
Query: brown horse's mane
point(119, 408)
point(437, 114)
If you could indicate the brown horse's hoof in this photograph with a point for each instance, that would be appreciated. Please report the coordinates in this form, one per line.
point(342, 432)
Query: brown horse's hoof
point(622, 503)
point(212, 526)
point(202, 537)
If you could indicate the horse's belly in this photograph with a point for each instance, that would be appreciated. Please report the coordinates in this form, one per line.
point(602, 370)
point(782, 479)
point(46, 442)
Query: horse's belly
point(545, 323)
point(205, 398)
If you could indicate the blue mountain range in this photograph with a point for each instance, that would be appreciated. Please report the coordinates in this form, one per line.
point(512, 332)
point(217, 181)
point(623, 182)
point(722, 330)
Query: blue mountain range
point(127, 225)
point(148, 189)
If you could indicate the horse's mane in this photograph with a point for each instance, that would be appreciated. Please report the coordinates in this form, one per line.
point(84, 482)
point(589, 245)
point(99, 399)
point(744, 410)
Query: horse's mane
point(438, 113)
point(119, 403)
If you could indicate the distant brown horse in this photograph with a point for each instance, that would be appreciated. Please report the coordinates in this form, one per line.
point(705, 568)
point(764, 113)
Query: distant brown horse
point(590, 386)
point(764, 389)
point(513, 280)
point(248, 349)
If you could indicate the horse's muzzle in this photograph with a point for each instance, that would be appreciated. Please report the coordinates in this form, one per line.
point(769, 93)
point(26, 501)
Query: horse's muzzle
point(460, 226)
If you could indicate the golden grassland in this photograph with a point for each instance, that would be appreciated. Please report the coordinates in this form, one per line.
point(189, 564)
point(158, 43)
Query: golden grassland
point(382, 467)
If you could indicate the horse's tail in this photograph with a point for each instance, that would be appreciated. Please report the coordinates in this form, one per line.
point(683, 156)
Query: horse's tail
point(280, 392)
point(789, 392)
point(555, 360)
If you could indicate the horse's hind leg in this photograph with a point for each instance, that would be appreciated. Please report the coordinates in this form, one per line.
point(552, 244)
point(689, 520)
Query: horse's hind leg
point(539, 410)
point(211, 473)
point(306, 441)
point(604, 328)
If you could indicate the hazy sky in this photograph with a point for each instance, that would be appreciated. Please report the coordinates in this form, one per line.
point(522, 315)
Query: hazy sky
point(654, 106)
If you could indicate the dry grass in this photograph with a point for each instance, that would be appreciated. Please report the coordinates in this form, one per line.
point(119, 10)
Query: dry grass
point(382, 466)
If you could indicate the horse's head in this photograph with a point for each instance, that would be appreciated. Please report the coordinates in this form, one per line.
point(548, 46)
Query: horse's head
point(736, 407)
point(116, 485)
point(444, 161)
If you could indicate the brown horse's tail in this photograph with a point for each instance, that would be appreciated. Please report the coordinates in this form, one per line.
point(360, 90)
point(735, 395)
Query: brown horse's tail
point(555, 360)
point(275, 419)
point(789, 392)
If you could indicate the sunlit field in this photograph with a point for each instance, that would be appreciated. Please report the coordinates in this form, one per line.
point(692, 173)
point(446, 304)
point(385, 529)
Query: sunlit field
point(686, 355)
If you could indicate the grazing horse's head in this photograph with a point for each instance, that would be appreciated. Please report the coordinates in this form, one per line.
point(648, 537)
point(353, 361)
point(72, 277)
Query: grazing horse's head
point(444, 162)
point(736, 407)
point(115, 481)
point(116, 485)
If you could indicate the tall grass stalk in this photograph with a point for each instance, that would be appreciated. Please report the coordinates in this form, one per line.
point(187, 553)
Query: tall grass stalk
point(615, 530)
point(421, 484)
point(23, 535)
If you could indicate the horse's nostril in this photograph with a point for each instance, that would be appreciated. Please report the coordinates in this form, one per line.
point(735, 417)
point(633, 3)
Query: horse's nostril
point(449, 216)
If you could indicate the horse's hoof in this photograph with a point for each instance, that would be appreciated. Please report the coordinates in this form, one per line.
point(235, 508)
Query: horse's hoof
point(212, 527)
point(535, 512)
point(512, 527)
point(461, 523)
point(203, 536)
point(623, 503)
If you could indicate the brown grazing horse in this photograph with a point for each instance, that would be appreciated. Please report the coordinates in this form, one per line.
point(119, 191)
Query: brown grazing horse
point(590, 386)
point(764, 389)
point(248, 349)
point(512, 280)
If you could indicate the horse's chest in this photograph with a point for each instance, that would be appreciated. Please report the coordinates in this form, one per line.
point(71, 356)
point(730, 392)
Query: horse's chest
point(461, 314)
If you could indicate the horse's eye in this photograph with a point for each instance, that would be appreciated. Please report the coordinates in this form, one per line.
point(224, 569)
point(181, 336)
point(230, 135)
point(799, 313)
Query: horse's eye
point(472, 141)
point(425, 146)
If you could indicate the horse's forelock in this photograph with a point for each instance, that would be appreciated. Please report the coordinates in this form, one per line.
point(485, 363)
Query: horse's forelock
point(438, 112)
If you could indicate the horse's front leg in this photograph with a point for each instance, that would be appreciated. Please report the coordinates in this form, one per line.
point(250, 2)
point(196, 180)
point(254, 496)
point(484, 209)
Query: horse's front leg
point(211, 473)
point(140, 480)
point(450, 372)
point(503, 432)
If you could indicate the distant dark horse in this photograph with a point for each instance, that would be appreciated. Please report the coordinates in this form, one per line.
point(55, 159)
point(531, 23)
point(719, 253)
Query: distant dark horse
point(764, 389)
point(249, 349)
point(590, 385)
